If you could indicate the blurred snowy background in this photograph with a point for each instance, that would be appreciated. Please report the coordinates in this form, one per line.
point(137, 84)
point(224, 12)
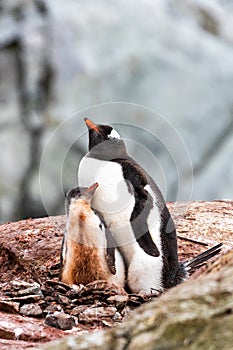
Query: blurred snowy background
point(61, 57)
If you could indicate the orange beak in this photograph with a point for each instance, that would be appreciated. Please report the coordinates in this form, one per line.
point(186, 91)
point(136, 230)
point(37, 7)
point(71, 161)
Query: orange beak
point(92, 188)
point(91, 125)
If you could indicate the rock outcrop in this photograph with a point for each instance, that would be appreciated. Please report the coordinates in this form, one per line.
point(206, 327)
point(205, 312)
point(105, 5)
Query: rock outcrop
point(36, 308)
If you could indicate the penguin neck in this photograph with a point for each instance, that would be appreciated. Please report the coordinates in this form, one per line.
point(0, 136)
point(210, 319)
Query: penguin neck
point(83, 225)
point(108, 150)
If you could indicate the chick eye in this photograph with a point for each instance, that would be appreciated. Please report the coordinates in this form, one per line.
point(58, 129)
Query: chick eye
point(101, 226)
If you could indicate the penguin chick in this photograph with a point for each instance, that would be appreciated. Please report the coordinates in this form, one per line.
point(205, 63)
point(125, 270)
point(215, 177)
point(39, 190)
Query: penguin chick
point(135, 211)
point(88, 252)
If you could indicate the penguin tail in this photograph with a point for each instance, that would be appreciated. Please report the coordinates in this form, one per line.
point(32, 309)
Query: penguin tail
point(201, 259)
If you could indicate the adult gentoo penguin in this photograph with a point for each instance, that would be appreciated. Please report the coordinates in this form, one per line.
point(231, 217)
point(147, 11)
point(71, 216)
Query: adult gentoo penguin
point(87, 252)
point(134, 210)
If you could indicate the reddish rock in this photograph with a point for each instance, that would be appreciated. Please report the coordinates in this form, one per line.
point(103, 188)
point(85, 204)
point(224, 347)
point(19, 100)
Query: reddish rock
point(96, 314)
point(31, 310)
point(31, 246)
point(16, 327)
point(9, 306)
point(60, 320)
point(30, 250)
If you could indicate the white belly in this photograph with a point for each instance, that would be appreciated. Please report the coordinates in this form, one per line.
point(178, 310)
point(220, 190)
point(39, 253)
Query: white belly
point(145, 274)
point(112, 198)
point(145, 271)
point(154, 220)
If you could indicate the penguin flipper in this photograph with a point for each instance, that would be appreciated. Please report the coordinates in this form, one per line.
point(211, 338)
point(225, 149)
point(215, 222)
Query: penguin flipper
point(62, 256)
point(148, 245)
point(139, 217)
point(110, 252)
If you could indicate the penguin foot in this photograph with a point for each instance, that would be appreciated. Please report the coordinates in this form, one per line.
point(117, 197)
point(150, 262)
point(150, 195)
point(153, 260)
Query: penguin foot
point(153, 293)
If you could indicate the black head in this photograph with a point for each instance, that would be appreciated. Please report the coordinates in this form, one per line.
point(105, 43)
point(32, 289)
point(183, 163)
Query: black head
point(104, 139)
point(85, 193)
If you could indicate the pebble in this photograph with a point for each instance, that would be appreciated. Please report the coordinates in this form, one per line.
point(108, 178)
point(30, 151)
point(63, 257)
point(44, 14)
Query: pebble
point(107, 323)
point(60, 320)
point(52, 308)
point(31, 290)
point(118, 300)
point(58, 286)
point(63, 299)
point(26, 299)
point(31, 310)
point(23, 288)
point(9, 306)
point(93, 314)
point(78, 309)
point(18, 284)
point(75, 293)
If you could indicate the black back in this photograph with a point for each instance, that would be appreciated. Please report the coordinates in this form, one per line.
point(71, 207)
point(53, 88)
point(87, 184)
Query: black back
point(173, 272)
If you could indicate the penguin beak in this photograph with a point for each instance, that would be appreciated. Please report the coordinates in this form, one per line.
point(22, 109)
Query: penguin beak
point(91, 125)
point(90, 191)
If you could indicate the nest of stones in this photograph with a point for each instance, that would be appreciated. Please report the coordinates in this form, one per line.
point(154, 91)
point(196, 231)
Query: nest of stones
point(63, 307)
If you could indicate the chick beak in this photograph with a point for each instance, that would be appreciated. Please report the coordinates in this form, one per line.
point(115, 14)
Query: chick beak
point(90, 191)
point(91, 125)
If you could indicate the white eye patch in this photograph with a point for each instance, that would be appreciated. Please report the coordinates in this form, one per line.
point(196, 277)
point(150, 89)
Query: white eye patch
point(114, 134)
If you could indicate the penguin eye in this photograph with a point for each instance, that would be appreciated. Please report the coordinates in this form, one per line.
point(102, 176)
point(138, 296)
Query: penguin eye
point(114, 134)
point(101, 226)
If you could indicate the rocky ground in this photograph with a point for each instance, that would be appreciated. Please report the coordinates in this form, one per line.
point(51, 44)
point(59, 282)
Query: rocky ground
point(36, 308)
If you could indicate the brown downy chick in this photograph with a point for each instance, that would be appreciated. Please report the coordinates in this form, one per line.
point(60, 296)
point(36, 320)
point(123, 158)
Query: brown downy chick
point(88, 251)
